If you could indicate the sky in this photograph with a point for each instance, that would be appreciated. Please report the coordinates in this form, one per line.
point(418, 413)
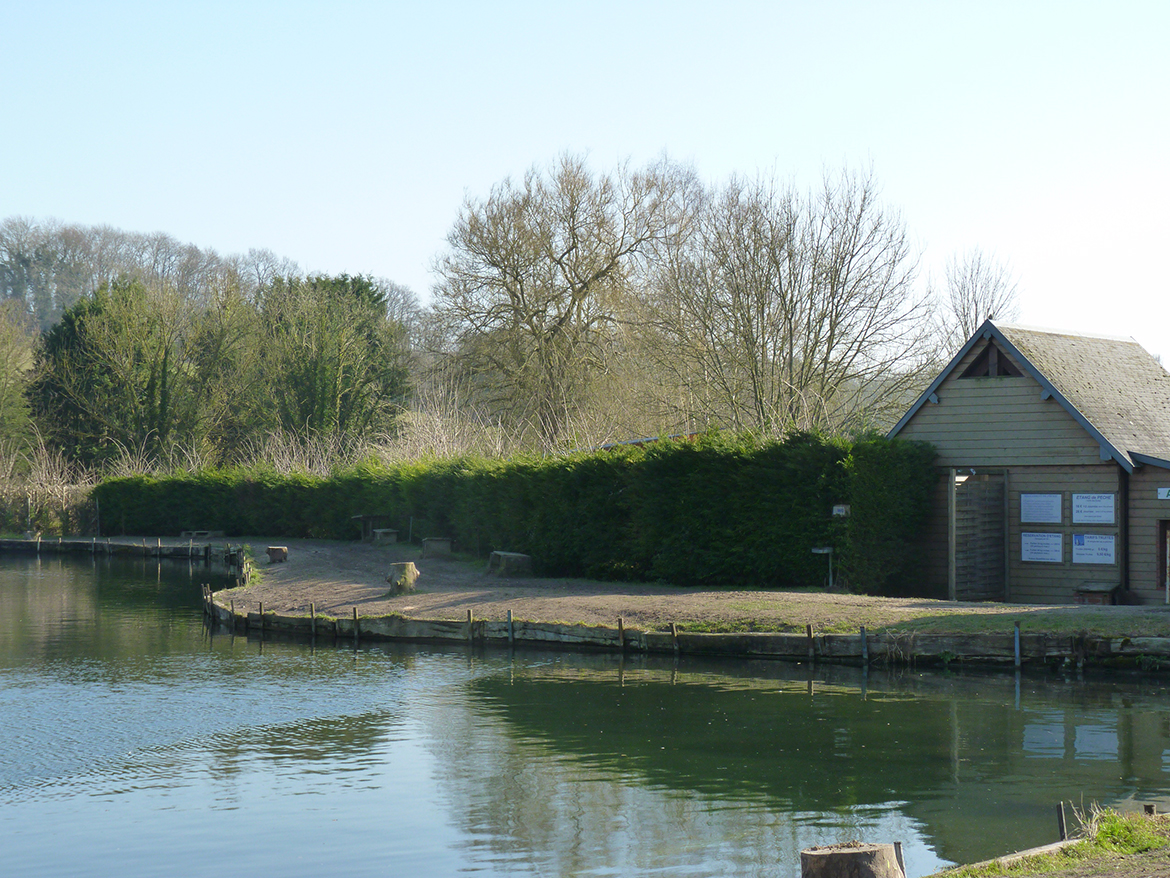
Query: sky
point(347, 135)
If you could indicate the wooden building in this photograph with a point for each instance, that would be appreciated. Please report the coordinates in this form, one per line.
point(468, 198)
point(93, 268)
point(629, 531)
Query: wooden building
point(1054, 449)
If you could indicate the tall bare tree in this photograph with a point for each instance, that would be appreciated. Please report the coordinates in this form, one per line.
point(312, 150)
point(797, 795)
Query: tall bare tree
point(978, 287)
point(538, 273)
point(788, 311)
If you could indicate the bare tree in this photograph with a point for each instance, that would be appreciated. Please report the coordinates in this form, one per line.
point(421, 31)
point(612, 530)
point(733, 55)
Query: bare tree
point(788, 311)
point(979, 288)
point(537, 275)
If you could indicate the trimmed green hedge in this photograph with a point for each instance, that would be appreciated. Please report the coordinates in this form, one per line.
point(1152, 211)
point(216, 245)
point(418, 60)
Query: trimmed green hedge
point(718, 511)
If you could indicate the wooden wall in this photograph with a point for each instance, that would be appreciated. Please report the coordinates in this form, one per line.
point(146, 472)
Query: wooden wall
point(1000, 422)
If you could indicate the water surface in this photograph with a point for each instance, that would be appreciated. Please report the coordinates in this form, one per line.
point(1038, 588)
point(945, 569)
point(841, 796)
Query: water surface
point(134, 742)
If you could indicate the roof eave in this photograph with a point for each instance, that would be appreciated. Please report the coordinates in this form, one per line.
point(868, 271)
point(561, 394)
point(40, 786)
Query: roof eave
point(1149, 460)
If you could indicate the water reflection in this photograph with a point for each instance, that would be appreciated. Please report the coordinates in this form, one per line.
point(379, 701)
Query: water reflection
point(952, 753)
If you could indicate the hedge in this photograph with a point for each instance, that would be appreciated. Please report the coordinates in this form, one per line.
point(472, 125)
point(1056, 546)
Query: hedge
point(717, 511)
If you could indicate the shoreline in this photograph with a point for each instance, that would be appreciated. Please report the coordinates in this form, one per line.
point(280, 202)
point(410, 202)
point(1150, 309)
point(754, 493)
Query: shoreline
point(332, 589)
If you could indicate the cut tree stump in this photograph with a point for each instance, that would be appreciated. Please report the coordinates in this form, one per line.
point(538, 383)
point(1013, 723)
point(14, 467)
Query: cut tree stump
point(277, 553)
point(402, 577)
point(852, 859)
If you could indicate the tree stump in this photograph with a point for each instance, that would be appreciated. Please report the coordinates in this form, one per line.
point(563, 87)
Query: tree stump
point(277, 553)
point(402, 577)
point(852, 859)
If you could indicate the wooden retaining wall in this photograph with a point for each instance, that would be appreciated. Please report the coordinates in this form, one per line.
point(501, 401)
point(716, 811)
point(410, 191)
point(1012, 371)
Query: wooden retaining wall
point(857, 649)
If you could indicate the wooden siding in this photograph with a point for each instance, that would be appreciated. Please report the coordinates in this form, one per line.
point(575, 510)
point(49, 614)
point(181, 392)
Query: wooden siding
point(1047, 582)
point(1000, 422)
point(1145, 512)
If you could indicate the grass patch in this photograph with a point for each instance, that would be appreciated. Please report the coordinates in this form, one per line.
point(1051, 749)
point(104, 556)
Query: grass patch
point(1108, 835)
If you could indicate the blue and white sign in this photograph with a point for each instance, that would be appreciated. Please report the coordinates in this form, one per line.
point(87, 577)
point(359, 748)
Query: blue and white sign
point(1093, 549)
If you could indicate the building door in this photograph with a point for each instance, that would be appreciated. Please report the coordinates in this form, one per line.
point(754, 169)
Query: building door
point(979, 537)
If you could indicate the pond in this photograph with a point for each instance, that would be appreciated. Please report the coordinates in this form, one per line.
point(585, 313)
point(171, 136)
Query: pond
point(134, 741)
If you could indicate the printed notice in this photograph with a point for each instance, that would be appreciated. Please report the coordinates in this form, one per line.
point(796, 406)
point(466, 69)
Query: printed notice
point(1048, 548)
point(1040, 508)
point(1093, 549)
point(1092, 508)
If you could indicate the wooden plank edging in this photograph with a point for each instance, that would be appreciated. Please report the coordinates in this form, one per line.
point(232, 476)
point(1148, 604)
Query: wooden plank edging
point(880, 648)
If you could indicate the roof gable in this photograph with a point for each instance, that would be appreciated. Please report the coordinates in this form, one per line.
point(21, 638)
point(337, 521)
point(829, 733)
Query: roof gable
point(1112, 387)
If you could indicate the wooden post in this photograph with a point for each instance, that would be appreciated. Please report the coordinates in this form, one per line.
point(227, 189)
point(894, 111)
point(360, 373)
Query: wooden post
point(621, 634)
point(469, 620)
point(811, 643)
point(1017, 644)
point(232, 605)
point(952, 501)
point(1060, 821)
point(674, 636)
point(511, 633)
point(864, 647)
point(261, 617)
point(355, 627)
point(312, 620)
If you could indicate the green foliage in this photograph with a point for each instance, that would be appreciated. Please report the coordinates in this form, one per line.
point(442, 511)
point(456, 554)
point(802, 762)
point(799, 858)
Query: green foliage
point(138, 370)
point(336, 362)
point(721, 511)
point(890, 485)
point(110, 376)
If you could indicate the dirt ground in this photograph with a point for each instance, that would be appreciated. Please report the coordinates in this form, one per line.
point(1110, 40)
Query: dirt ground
point(336, 577)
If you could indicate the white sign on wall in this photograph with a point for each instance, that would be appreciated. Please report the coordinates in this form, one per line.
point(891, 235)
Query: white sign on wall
point(1092, 509)
point(1164, 493)
point(1048, 548)
point(1040, 508)
point(1093, 549)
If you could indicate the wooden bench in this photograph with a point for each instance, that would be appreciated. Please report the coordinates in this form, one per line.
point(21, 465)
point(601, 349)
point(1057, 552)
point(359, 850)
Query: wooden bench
point(1096, 593)
point(436, 546)
point(369, 523)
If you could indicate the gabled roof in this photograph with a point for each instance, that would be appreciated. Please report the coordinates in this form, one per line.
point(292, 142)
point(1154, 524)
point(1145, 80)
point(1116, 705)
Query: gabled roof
point(1111, 386)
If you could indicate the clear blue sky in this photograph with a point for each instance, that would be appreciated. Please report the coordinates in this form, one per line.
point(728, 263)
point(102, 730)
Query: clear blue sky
point(345, 135)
